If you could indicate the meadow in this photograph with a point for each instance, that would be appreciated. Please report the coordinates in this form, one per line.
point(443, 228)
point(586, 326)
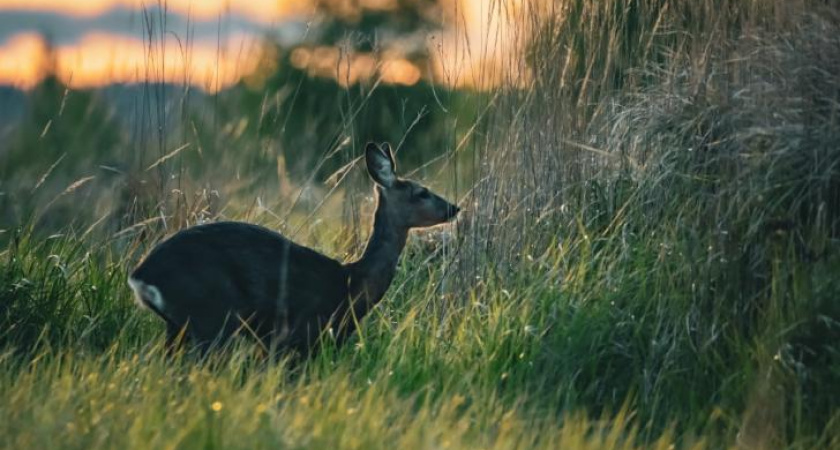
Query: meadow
point(648, 257)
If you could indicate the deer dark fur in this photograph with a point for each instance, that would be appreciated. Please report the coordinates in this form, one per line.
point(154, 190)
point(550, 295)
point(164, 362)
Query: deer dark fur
point(211, 281)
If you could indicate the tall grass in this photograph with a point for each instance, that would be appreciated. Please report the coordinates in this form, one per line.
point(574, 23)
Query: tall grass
point(680, 182)
point(648, 258)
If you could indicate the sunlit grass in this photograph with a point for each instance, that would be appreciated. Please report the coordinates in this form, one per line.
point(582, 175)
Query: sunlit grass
point(122, 401)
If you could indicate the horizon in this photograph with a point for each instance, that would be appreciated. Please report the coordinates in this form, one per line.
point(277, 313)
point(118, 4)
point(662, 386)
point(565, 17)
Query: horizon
point(212, 45)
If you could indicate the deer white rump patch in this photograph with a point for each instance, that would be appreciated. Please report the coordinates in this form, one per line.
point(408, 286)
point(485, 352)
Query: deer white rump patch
point(145, 294)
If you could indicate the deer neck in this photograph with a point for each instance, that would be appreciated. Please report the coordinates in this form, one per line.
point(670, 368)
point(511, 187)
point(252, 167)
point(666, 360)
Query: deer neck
point(372, 274)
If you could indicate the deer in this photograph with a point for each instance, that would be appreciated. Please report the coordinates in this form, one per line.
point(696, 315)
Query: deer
point(212, 281)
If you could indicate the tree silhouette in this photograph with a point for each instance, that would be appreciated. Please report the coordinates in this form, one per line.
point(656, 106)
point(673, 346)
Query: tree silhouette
point(393, 23)
point(308, 116)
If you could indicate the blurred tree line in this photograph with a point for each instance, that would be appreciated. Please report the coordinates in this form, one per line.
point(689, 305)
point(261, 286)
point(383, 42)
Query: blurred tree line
point(316, 124)
point(312, 115)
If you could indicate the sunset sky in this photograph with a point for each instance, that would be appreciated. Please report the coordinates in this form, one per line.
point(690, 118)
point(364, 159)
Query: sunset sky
point(208, 43)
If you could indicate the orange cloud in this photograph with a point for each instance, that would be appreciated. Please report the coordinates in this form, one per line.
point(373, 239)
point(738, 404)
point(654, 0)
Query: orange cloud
point(100, 59)
point(330, 62)
point(22, 61)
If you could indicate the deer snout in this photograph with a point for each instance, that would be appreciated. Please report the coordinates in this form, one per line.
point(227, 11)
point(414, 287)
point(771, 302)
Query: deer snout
point(452, 212)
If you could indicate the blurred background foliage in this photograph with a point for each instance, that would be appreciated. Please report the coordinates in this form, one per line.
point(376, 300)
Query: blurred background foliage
point(303, 123)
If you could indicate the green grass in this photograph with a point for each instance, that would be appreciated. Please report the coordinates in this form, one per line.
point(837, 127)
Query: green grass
point(425, 372)
point(649, 258)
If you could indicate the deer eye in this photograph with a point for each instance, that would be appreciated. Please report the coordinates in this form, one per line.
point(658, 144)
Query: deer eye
point(423, 194)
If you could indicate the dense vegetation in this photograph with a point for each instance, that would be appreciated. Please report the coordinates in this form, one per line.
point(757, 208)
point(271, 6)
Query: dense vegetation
point(649, 255)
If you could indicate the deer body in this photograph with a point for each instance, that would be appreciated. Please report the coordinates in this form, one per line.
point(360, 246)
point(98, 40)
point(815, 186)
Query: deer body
point(214, 280)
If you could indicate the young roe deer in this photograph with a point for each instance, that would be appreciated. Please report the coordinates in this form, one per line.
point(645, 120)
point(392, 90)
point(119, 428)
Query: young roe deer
point(210, 281)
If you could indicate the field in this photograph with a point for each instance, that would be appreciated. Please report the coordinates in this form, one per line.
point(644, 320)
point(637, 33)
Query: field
point(648, 257)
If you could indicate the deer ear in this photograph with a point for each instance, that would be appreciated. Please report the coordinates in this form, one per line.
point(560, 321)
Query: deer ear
point(380, 164)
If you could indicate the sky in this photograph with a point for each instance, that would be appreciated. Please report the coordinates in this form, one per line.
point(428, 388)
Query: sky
point(209, 44)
